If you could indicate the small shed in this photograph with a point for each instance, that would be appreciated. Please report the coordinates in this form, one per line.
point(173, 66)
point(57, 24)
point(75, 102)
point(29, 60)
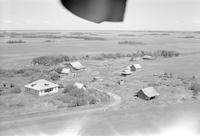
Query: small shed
point(77, 65)
point(134, 67)
point(97, 78)
point(147, 93)
point(126, 72)
point(121, 82)
point(80, 86)
point(147, 57)
point(41, 87)
point(65, 71)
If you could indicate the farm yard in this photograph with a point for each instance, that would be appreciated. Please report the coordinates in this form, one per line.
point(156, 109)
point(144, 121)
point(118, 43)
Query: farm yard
point(168, 62)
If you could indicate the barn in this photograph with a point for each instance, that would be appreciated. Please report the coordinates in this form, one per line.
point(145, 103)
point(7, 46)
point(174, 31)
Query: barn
point(147, 93)
point(41, 87)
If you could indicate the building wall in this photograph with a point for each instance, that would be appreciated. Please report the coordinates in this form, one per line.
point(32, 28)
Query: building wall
point(42, 92)
point(31, 91)
point(141, 95)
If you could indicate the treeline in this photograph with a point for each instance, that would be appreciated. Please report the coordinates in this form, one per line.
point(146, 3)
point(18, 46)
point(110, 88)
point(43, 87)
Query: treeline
point(15, 41)
point(54, 60)
point(50, 60)
point(34, 73)
point(158, 53)
point(131, 43)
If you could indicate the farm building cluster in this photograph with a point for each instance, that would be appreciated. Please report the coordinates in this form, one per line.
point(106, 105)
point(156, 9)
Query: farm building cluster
point(43, 87)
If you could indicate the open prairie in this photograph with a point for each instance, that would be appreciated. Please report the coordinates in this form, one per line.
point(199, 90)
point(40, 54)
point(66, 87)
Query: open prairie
point(73, 43)
point(174, 111)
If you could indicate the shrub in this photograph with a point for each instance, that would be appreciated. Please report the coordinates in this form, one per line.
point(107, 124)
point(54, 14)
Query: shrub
point(68, 88)
point(54, 76)
point(2, 90)
point(65, 98)
point(195, 87)
point(92, 100)
point(15, 90)
point(77, 92)
point(59, 69)
point(16, 105)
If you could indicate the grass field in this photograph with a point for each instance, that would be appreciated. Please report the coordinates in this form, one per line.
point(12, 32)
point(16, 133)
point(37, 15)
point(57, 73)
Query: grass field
point(172, 77)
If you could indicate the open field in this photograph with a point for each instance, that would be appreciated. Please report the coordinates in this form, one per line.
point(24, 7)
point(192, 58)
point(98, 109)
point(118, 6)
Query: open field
point(171, 76)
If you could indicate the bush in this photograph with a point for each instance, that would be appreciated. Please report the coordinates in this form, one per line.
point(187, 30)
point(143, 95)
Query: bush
point(65, 98)
point(59, 69)
point(195, 87)
point(78, 97)
point(92, 100)
point(15, 90)
point(77, 92)
point(16, 105)
point(54, 76)
point(68, 88)
point(17, 41)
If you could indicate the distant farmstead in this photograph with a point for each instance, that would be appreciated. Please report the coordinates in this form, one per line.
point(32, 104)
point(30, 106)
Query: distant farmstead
point(41, 87)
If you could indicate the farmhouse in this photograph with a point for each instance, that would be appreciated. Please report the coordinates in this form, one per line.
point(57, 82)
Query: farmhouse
point(147, 93)
point(134, 67)
point(76, 65)
point(41, 87)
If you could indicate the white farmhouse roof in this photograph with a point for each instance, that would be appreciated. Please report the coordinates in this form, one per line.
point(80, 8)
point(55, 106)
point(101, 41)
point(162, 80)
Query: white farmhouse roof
point(77, 65)
point(65, 71)
point(150, 92)
point(41, 84)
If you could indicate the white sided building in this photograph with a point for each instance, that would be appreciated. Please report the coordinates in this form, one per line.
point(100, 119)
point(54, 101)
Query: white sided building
point(41, 87)
point(134, 67)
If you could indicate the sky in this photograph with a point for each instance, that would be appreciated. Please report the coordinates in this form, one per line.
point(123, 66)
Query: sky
point(140, 15)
